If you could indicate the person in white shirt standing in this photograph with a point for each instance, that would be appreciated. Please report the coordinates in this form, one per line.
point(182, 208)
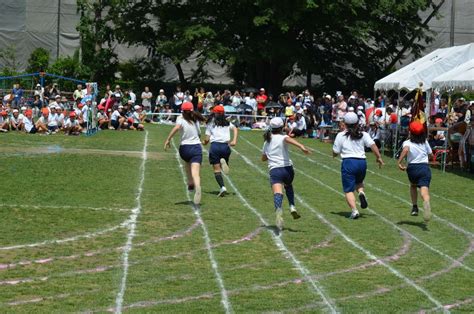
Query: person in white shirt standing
point(350, 144)
point(190, 149)
point(146, 99)
point(417, 150)
point(275, 151)
point(218, 133)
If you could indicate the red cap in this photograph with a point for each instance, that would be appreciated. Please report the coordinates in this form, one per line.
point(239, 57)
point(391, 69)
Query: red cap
point(29, 113)
point(417, 128)
point(218, 109)
point(439, 120)
point(100, 107)
point(3, 113)
point(44, 111)
point(187, 106)
point(378, 112)
point(72, 114)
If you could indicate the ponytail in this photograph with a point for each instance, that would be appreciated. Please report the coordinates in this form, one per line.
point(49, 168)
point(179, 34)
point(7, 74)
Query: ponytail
point(353, 131)
point(267, 135)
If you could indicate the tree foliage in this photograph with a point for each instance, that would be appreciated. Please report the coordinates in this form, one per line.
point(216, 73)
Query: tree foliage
point(348, 43)
point(38, 60)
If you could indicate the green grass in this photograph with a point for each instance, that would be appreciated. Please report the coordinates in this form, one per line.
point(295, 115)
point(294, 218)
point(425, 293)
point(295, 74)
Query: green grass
point(66, 202)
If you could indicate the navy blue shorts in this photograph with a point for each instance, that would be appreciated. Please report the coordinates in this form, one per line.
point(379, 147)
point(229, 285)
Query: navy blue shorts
point(191, 153)
point(282, 175)
point(218, 151)
point(419, 174)
point(352, 173)
point(115, 124)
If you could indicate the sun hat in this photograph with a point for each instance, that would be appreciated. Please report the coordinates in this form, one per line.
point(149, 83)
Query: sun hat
point(417, 128)
point(351, 118)
point(187, 106)
point(276, 123)
point(218, 109)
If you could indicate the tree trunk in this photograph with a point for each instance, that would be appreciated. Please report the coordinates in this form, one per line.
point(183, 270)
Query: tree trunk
point(182, 79)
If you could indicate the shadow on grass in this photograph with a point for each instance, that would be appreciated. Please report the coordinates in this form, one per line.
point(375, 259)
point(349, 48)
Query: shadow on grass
point(348, 214)
point(217, 193)
point(276, 231)
point(184, 203)
point(423, 226)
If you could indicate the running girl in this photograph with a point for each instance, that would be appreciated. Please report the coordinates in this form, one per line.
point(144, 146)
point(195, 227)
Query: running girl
point(275, 151)
point(350, 144)
point(190, 149)
point(218, 133)
point(417, 150)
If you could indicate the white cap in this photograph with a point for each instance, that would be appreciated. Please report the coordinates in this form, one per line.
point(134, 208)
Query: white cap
point(57, 96)
point(120, 107)
point(352, 97)
point(136, 107)
point(360, 108)
point(262, 89)
point(23, 108)
point(350, 109)
point(38, 85)
point(15, 110)
point(276, 123)
point(298, 104)
point(328, 96)
point(300, 111)
point(117, 95)
point(162, 90)
point(351, 118)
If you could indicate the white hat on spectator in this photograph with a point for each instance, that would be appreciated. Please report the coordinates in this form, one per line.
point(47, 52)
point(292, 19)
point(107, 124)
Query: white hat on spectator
point(351, 118)
point(57, 96)
point(162, 90)
point(276, 123)
point(298, 104)
point(360, 108)
point(300, 111)
point(328, 96)
point(15, 110)
point(352, 97)
point(120, 107)
point(118, 95)
point(23, 108)
point(38, 85)
point(136, 107)
point(350, 109)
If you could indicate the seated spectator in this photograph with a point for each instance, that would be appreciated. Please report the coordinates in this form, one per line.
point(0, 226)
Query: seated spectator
point(16, 121)
point(72, 125)
point(28, 122)
point(4, 121)
point(117, 120)
point(375, 133)
point(42, 123)
point(437, 137)
point(137, 119)
point(53, 118)
point(102, 119)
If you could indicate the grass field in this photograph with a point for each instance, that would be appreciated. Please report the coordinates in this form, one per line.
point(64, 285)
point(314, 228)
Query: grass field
point(104, 223)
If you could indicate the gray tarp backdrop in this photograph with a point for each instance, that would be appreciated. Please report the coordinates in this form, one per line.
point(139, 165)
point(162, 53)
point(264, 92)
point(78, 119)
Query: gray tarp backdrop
point(51, 24)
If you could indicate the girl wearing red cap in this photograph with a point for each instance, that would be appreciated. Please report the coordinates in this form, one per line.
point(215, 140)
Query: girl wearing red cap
point(29, 125)
point(218, 133)
point(4, 121)
point(417, 150)
point(275, 151)
point(351, 144)
point(190, 149)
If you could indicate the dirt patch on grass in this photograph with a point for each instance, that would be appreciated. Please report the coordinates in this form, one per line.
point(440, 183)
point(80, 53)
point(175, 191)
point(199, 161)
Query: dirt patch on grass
point(55, 149)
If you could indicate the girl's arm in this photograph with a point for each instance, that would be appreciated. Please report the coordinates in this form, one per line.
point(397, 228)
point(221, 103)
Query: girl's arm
point(264, 157)
point(376, 152)
point(402, 156)
point(234, 140)
point(170, 136)
point(206, 140)
point(294, 142)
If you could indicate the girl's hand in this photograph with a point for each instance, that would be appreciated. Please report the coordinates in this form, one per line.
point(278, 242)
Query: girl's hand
point(305, 150)
point(380, 162)
point(167, 144)
point(233, 143)
point(402, 167)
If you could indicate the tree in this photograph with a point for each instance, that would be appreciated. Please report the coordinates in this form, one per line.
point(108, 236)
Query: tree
point(8, 61)
point(97, 38)
point(38, 61)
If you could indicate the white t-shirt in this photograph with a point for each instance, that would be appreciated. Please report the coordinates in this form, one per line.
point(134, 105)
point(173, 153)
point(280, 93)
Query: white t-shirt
point(69, 123)
point(133, 97)
point(349, 148)
point(301, 124)
point(252, 103)
point(219, 134)
point(189, 132)
point(115, 115)
point(136, 117)
point(277, 152)
point(53, 119)
point(178, 98)
point(417, 153)
point(85, 113)
point(28, 124)
point(146, 99)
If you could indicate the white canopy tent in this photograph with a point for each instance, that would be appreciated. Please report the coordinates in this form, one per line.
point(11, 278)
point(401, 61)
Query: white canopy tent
point(460, 78)
point(426, 69)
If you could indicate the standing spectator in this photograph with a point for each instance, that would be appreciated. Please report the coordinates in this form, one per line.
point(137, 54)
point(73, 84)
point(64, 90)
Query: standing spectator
point(146, 99)
point(178, 98)
point(54, 91)
point(161, 100)
point(118, 90)
point(17, 95)
point(252, 102)
point(236, 99)
point(261, 100)
point(39, 91)
point(208, 102)
point(200, 95)
point(77, 93)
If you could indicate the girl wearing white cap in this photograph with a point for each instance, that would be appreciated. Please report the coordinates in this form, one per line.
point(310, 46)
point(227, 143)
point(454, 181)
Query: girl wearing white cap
point(218, 133)
point(275, 151)
point(190, 149)
point(350, 144)
point(138, 118)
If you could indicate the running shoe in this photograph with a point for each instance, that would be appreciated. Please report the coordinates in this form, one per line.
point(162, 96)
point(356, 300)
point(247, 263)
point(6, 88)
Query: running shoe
point(294, 212)
point(224, 166)
point(426, 211)
point(197, 195)
point(190, 187)
point(414, 211)
point(354, 215)
point(363, 200)
point(279, 218)
point(222, 192)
